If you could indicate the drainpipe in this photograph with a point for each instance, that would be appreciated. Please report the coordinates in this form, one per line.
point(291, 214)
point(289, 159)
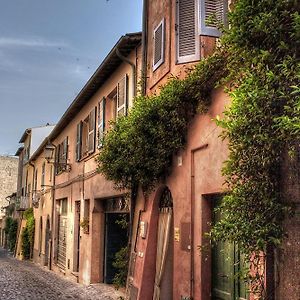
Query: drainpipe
point(52, 214)
point(133, 67)
point(144, 46)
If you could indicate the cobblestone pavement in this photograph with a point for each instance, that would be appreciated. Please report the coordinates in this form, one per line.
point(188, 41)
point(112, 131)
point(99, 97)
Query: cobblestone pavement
point(22, 280)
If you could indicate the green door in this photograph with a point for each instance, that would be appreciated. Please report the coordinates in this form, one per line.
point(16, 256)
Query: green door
point(226, 264)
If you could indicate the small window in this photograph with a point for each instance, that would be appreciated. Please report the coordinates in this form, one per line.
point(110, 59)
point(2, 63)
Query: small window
point(64, 207)
point(158, 45)
point(101, 121)
point(61, 156)
point(85, 141)
point(43, 176)
point(213, 13)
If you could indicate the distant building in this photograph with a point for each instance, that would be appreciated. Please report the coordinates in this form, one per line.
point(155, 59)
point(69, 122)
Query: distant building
point(8, 179)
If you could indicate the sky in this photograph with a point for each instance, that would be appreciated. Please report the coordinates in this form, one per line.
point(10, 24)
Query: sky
point(48, 51)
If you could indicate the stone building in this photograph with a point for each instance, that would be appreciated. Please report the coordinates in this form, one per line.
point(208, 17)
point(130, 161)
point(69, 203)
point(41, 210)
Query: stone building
point(8, 184)
point(8, 179)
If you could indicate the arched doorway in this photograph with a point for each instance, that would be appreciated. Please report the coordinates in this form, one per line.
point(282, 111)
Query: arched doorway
point(163, 287)
point(47, 240)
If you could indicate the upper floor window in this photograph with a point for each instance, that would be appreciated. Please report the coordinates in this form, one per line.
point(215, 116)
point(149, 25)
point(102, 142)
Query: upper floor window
point(61, 156)
point(194, 17)
point(101, 120)
point(212, 14)
point(158, 45)
point(122, 96)
point(85, 140)
point(43, 176)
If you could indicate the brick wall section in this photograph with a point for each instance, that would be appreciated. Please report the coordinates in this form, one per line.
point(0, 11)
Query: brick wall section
point(8, 178)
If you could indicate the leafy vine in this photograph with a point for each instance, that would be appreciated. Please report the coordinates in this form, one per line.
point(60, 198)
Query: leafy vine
point(258, 61)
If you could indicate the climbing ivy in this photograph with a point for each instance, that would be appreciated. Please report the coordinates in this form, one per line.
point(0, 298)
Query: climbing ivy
point(11, 229)
point(139, 147)
point(258, 62)
point(28, 234)
point(261, 124)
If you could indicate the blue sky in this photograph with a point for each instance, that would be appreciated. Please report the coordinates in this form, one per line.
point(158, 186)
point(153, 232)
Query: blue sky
point(48, 50)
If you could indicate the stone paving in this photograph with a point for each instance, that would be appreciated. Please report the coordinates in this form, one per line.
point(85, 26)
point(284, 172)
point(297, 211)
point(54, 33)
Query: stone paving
point(22, 280)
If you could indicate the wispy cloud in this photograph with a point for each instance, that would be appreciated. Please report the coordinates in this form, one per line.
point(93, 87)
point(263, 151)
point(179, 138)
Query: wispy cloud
point(32, 42)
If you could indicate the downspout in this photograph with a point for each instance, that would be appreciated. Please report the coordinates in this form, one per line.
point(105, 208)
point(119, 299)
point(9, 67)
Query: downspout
point(33, 185)
point(144, 46)
point(52, 213)
point(133, 67)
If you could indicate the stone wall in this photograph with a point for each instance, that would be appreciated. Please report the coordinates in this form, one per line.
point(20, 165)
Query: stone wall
point(8, 178)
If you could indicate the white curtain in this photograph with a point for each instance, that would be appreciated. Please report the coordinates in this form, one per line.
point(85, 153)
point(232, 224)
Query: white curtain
point(163, 236)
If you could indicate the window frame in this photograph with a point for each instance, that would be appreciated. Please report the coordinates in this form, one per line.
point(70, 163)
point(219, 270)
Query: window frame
point(156, 65)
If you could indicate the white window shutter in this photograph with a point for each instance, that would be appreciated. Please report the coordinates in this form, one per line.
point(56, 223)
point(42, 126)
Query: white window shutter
point(122, 101)
point(212, 13)
point(92, 128)
point(159, 45)
point(101, 121)
point(187, 41)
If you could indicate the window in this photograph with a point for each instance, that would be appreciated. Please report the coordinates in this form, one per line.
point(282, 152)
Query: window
point(101, 121)
point(158, 45)
point(61, 156)
point(43, 176)
point(122, 97)
point(212, 14)
point(187, 43)
point(85, 141)
point(119, 98)
point(35, 180)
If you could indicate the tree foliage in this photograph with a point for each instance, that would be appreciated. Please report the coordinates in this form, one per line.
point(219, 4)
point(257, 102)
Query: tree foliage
point(28, 234)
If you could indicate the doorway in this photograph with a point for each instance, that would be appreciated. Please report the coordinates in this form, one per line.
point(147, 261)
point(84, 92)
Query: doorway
point(77, 236)
point(163, 288)
point(116, 234)
point(227, 262)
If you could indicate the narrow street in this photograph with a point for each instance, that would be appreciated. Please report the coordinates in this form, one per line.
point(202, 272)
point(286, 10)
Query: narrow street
point(23, 280)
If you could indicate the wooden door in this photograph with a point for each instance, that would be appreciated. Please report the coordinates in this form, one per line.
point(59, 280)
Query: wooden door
point(227, 262)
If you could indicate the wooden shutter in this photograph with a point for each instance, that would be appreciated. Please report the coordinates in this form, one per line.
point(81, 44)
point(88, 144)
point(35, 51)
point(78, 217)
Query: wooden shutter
point(187, 31)
point(158, 45)
point(78, 141)
point(92, 129)
point(101, 120)
point(122, 101)
point(64, 151)
point(57, 151)
point(212, 13)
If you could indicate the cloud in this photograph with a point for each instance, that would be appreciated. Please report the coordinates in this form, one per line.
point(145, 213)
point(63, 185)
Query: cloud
point(36, 42)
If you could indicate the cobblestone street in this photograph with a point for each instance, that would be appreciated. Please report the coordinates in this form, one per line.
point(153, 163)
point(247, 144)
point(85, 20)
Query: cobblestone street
point(24, 280)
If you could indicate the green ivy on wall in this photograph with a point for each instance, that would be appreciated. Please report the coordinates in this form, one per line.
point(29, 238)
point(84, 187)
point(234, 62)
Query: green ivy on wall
point(139, 147)
point(11, 229)
point(28, 234)
point(258, 62)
